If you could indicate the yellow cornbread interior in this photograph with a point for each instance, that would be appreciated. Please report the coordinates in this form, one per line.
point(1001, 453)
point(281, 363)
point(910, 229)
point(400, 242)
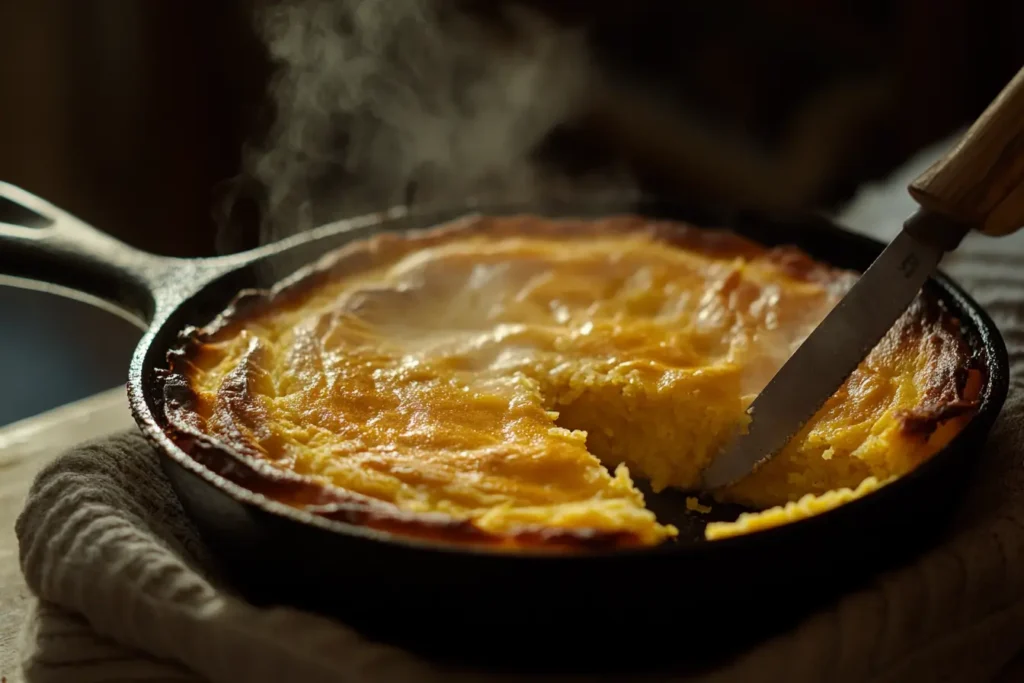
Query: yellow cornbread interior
point(808, 506)
point(501, 379)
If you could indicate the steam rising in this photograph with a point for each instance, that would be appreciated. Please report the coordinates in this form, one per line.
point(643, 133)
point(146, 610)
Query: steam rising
point(383, 101)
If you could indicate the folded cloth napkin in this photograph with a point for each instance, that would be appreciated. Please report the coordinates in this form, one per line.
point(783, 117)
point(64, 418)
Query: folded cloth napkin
point(124, 589)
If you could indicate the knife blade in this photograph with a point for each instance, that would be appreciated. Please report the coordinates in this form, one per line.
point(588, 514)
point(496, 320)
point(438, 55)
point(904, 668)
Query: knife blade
point(837, 345)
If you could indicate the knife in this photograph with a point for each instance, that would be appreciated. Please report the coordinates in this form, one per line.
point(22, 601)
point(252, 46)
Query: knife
point(978, 185)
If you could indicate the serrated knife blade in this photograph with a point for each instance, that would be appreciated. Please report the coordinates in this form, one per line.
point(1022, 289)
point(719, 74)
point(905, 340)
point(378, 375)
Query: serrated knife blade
point(837, 346)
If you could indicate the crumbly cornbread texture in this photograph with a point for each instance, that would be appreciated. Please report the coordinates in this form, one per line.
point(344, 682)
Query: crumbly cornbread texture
point(507, 375)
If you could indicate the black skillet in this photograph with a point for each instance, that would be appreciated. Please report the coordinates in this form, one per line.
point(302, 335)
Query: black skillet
point(687, 602)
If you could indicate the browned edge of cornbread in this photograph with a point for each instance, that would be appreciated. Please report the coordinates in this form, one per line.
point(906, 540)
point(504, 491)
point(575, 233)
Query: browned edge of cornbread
point(240, 461)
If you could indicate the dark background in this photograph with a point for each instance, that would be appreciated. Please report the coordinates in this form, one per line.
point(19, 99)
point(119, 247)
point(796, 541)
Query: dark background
point(132, 114)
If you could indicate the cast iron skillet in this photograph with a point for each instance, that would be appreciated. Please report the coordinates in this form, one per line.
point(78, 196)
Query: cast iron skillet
point(688, 602)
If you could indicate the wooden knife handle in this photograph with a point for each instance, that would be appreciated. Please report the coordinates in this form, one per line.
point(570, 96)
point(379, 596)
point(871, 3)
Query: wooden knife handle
point(980, 182)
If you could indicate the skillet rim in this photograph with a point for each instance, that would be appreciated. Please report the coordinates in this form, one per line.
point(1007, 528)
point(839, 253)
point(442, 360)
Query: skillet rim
point(145, 392)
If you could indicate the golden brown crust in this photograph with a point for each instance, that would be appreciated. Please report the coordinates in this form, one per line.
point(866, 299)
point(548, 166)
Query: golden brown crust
point(383, 248)
point(238, 460)
point(952, 383)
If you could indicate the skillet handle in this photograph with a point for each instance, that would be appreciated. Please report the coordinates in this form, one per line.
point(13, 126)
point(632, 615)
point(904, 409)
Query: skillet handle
point(40, 242)
point(980, 182)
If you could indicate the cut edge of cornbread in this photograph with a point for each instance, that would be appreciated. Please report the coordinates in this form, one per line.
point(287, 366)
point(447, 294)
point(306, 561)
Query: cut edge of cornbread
point(616, 459)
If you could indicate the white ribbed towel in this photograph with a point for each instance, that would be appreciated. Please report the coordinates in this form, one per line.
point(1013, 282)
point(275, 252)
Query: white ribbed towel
point(124, 592)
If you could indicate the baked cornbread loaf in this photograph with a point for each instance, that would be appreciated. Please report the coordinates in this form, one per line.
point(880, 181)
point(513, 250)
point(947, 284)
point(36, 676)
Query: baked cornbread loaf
point(498, 380)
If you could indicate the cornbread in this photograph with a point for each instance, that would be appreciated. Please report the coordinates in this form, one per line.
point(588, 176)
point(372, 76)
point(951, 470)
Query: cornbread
point(808, 506)
point(499, 380)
